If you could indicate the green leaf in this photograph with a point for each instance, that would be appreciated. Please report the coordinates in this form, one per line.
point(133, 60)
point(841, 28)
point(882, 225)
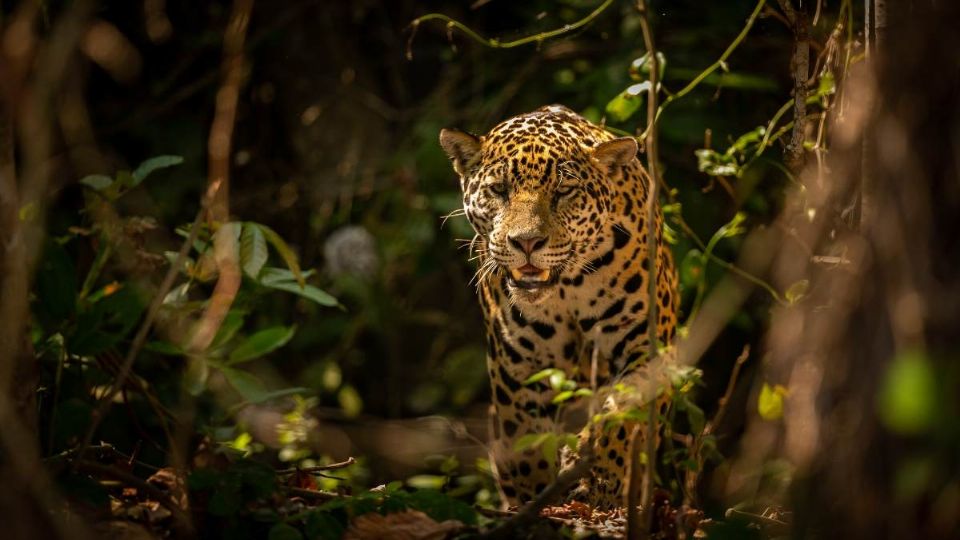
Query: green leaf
point(323, 526)
point(253, 250)
point(696, 416)
point(232, 324)
point(562, 396)
point(350, 401)
point(248, 386)
point(442, 507)
point(164, 347)
point(627, 102)
point(287, 254)
point(797, 291)
point(314, 294)
point(714, 163)
point(259, 478)
point(270, 275)
point(530, 440)
point(907, 401)
point(283, 531)
point(153, 164)
point(427, 481)
point(640, 67)
point(261, 343)
point(97, 182)
point(540, 375)
point(770, 402)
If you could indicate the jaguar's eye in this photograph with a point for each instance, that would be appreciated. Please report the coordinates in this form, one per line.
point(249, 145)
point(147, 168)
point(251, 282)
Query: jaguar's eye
point(500, 189)
point(564, 190)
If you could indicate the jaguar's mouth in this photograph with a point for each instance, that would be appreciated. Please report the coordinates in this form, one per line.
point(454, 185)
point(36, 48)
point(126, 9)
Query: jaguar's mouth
point(531, 278)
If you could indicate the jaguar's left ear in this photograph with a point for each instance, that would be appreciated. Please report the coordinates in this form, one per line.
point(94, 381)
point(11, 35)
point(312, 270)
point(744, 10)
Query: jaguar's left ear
point(612, 155)
point(462, 147)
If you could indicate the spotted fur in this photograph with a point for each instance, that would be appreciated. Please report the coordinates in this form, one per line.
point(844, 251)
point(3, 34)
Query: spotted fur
point(550, 190)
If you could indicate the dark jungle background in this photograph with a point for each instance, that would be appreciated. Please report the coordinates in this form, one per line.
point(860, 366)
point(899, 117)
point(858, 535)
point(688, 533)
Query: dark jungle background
point(838, 420)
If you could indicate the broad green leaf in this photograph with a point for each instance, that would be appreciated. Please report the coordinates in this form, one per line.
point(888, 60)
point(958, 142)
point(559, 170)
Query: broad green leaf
point(627, 102)
point(309, 292)
point(287, 254)
point(270, 275)
point(232, 324)
point(248, 386)
point(770, 401)
point(907, 401)
point(283, 531)
point(153, 164)
point(261, 343)
point(97, 182)
point(253, 250)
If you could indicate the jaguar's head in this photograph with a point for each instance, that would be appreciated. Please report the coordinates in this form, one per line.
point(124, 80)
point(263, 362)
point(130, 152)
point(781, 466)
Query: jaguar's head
point(538, 190)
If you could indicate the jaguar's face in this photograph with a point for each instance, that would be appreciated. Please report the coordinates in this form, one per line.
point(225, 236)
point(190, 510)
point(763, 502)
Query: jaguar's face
point(538, 196)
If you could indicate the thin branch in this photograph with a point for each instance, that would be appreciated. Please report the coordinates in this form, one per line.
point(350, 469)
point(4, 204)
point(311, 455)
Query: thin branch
point(333, 466)
point(494, 42)
point(529, 513)
point(638, 526)
point(731, 384)
point(720, 63)
point(182, 522)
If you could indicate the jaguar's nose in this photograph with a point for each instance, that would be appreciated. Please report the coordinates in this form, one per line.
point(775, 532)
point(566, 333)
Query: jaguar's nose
point(527, 243)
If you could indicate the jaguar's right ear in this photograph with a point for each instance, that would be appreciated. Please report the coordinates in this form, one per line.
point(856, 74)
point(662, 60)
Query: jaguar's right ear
point(462, 147)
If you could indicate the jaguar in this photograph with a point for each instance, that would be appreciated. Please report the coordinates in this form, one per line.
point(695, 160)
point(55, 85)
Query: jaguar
point(560, 210)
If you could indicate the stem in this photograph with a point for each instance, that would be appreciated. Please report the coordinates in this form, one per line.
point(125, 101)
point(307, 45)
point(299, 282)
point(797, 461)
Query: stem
point(713, 67)
point(496, 43)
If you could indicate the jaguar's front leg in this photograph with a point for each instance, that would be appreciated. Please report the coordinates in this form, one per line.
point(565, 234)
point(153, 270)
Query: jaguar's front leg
point(520, 410)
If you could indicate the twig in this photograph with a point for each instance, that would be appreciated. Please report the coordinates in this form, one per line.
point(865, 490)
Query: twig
point(529, 513)
point(349, 461)
point(639, 525)
point(496, 43)
point(731, 384)
point(315, 495)
point(165, 499)
point(721, 62)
